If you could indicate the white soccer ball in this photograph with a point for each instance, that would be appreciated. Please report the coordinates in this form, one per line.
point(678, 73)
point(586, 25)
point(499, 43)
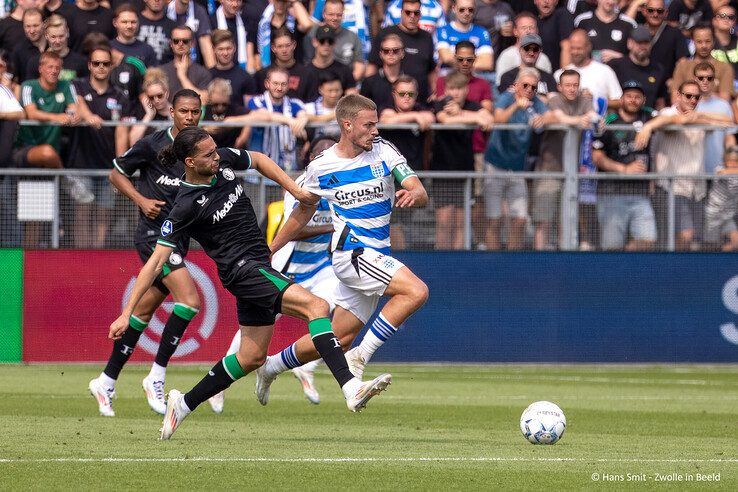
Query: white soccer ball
point(543, 422)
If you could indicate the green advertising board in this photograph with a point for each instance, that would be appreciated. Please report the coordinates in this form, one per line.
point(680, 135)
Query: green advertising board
point(11, 305)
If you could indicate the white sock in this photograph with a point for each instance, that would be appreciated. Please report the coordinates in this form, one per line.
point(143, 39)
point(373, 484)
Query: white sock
point(235, 343)
point(158, 373)
point(310, 366)
point(106, 381)
point(183, 407)
point(275, 365)
point(380, 331)
point(351, 387)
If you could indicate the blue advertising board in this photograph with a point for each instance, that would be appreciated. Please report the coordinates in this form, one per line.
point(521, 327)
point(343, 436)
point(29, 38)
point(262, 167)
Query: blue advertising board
point(571, 307)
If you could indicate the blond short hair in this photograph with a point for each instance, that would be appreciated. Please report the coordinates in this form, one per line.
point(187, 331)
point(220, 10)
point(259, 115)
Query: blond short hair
point(350, 105)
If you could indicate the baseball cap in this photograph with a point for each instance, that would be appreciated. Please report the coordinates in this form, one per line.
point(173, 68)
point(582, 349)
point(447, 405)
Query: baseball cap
point(325, 32)
point(529, 39)
point(640, 34)
point(633, 84)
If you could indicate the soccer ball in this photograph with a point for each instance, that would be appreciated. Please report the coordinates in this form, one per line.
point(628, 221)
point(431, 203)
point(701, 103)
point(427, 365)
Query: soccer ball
point(542, 422)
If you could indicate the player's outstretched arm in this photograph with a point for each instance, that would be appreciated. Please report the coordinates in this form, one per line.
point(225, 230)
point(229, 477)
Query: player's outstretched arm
point(412, 194)
point(297, 220)
point(269, 169)
point(145, 278)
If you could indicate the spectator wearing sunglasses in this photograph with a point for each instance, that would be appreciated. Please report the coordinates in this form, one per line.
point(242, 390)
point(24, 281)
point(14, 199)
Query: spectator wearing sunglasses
point(430, 17)
point(462, 29)
point(182, 71)
point(378, 87)
point(715, 140)
point(668, 44)
point(530, 49)
point(726, 42)
point(704, 43)
point(325, 60)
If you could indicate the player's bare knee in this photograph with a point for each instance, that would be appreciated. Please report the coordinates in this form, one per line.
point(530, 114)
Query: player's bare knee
point(418, 293)
point(251, 361)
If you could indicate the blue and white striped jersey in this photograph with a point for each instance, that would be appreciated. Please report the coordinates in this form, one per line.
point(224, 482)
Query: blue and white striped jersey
point(447, 36)
point(360, 191)
point(308, 256)
point(432, 15)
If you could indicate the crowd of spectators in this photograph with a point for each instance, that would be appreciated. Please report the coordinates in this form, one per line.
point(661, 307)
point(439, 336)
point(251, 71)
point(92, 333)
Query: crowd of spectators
point(582, 63)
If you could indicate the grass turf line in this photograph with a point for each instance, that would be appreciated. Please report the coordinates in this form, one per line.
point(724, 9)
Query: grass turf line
point(437, 427)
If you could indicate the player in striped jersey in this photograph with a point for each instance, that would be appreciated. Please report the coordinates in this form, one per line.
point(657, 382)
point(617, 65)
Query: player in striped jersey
point(307, 262)
point(357, 177)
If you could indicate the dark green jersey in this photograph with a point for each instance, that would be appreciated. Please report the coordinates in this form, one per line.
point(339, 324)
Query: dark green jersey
point(53, 101)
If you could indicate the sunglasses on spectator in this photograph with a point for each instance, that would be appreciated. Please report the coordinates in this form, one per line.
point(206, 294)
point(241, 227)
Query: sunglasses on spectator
point(326, 41)
point(652, 10)
point(412, 13)
point(528, 87)
point(465, 59)
point(391, 51)
point(708, 78)
point(100, 63)
point(691, 97)
point(181, 40)
point(726, 16)
point(532, 48)
point(406, 93)
point(466, 9)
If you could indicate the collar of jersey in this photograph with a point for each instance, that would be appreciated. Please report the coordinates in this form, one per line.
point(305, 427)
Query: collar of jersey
point(193, 185)
point(169, 134)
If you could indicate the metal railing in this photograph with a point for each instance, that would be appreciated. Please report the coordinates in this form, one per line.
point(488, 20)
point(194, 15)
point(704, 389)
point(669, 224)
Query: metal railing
point(567, 232)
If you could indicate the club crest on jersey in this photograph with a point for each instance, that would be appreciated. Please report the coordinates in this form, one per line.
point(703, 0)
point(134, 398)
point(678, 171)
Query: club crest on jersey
point(377, 169)
point(229, 174)
point(166, 228)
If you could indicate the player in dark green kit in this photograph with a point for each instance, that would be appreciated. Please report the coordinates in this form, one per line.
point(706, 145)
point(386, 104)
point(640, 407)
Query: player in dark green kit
point(212, 208)
point(154, 196)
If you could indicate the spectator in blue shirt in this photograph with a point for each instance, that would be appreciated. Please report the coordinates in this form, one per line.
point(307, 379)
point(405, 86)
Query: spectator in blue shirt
point(506, 153)
point(462, 29)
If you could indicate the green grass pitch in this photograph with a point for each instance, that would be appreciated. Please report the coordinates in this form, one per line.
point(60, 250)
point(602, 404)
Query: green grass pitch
point(438, 427)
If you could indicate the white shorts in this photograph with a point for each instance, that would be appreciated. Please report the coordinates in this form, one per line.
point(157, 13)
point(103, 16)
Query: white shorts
point(364, 275)
point(323, 284)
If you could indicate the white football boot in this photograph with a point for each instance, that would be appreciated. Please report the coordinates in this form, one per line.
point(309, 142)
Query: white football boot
point(367, 391)
point(217, 401)
point(356, 362)
point(308, 384)
point(174, 414)
point(155, 394)
point(264, 381)
point(103, 396)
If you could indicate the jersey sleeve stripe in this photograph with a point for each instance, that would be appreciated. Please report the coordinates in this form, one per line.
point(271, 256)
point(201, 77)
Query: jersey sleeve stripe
point(120, 169)
point(165, 243)
point(342, 178)
point(369, 211)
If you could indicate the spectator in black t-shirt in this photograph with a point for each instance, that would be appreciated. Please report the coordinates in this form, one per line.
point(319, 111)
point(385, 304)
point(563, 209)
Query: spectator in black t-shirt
point(283, 49)
point(685, 14)
point(419, 61)
point(607, 29)
point(155, 29)
point(378, 87)
point(220, 106)
point(125, 22)
point(453, 151)
point(668, 44)
point(96, 148)
point(88, 16)
point(59, 7)
point(32, 46)
point(324, 59)
point(74, 65)
point(11, 27)
point(554, 26)
point(530, 49)
point(242, 84)
point(405, 108)
point(639, 66)
point(182, 71)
